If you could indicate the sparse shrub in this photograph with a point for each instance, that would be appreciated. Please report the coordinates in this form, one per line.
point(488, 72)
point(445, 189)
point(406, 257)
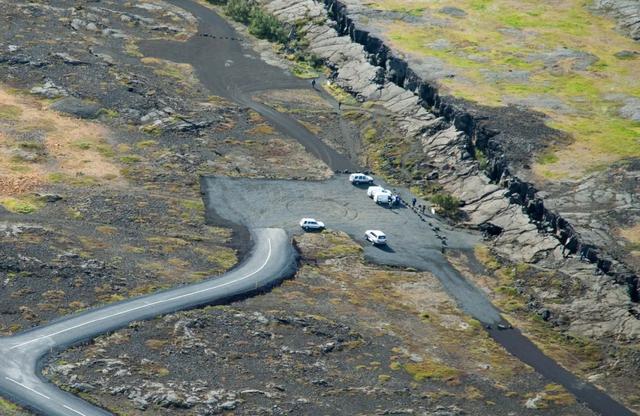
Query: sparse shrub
point(240, 10)
point(449, 204)
point(266, 26)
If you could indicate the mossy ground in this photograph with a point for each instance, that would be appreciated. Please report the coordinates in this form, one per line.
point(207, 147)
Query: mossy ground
point(504, 37)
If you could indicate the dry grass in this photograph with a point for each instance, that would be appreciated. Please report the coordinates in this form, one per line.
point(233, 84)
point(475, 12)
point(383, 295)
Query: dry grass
point(57, 154)
point(183, 73)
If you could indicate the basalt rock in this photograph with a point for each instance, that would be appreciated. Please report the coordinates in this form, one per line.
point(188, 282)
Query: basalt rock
point(477, 136)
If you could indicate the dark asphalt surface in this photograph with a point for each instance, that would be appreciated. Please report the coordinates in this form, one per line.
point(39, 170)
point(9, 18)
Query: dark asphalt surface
point(272, 259)
point(232, 70)
point(342, 206)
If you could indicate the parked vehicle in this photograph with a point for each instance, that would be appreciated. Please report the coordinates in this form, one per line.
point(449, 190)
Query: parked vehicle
point(376, 237)
point(309, 224)
point(373, 189)
point(360, 178)
point(383, 197)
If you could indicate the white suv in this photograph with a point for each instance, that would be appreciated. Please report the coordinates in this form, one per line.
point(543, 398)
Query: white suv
point(358, 178)
point(376, 237)
point(309, 224)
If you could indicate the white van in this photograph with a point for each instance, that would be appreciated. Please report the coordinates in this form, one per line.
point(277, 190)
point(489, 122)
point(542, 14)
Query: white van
point(374, 190)
point(358, 178)
point(383, 197)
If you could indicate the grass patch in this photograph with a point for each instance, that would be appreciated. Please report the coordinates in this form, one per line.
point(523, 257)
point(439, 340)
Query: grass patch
point(77, 180)
point(305, 70)
point(82, 145)
point(479, 47)
point(547, 158)
point(27, 205)
point(430, 370)
point(339, 93)
point(146, 144)
point(264, 129)
point(223, 257)
point(10, 112)
point(130, 159)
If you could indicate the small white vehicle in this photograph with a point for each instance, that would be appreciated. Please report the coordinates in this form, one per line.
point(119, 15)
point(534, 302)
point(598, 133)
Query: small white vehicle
point(309, 224)
point(382, 197)
point(374, 189)
point(375, 237)
point(358, 178)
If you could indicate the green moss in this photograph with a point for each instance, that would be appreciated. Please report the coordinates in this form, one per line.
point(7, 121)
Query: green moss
point(130, 159)
point(82, 145)
point(108, 112)
point(78, 180)
point(547, 158)
point(27, 205)
point(146, 143)
point(339, 93)
point(370, 134)
point(305, 70)
point(430, 370)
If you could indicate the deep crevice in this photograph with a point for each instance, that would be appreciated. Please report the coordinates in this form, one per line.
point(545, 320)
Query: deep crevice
point(479, 136)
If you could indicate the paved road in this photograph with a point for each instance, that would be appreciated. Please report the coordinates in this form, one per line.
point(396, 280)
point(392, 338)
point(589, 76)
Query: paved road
point(272, 259)
point(230, 69)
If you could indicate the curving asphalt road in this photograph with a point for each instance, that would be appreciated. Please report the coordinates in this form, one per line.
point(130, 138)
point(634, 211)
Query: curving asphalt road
point(272, 259)
point(229, 69)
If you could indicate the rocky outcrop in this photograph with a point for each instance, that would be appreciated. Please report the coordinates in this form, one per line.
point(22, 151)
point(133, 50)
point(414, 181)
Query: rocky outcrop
point(626, 12)
point(450, 134)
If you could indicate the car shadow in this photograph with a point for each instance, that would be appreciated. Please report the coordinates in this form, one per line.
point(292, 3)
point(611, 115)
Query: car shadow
point(386, 248)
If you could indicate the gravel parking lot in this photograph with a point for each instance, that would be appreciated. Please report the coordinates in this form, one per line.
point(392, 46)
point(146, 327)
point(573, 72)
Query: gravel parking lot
point(413, 242)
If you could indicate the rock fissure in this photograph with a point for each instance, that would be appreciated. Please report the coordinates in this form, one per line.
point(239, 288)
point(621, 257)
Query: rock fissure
point(450, 134)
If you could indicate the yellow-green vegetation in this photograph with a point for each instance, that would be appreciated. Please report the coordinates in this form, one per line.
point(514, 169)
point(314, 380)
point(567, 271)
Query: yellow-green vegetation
point(339, 93)
point(330, 244)
point(10, 112)
point(224, 257)
point(483, 254)
point(77, 180)
point(22, 205)
point(9, 409)
point(146, 143)
point(183, 73)
point(556, 394)
point(430, 370)
point(540, 39)
point(305, 70)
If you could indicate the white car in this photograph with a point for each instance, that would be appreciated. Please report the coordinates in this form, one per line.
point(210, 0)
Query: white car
point(375, 237)
point(373, 190)
point(358, 178)
point(309, 224)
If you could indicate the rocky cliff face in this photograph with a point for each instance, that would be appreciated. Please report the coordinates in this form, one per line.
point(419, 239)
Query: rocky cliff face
point(450, 133)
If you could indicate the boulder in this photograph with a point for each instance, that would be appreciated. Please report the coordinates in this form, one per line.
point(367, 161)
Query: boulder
point(77, 107)
point(49, 90)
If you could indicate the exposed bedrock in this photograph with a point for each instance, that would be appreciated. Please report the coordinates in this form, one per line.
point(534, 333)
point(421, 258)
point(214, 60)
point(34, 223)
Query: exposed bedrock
point(626, 12)
point(450, 131)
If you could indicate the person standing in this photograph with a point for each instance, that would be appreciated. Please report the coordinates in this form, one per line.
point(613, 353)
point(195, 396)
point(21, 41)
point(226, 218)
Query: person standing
point(413, 202)
point(313, 83)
